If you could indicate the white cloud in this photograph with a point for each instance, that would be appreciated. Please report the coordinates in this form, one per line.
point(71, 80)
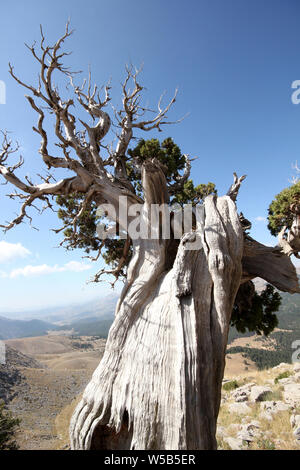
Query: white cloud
point(76, 266)
point(261, 219)
point(42, 269)
point(10, 251)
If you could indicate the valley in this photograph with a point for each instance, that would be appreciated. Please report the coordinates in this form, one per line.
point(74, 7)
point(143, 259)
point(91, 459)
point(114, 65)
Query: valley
point(51, 359)
point(55, 375)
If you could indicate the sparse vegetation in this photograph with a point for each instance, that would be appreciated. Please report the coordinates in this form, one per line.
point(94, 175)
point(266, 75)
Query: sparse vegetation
point(267, 428)
point(275, 395)
point(8, 427)
point(283, 375)
point(232, 385)
point(266, 444)
point(83, 345)
point(263, 358)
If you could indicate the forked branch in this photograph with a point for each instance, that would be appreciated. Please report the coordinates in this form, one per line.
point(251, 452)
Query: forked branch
point(79, 142)
point(234, 188)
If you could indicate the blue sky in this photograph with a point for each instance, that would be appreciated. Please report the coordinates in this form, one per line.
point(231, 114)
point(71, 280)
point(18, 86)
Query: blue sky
point(234, 62)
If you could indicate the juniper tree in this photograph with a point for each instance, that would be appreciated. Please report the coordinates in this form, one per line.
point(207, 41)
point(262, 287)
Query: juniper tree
point(284, 218)
point(252, 311)
point(158, 385)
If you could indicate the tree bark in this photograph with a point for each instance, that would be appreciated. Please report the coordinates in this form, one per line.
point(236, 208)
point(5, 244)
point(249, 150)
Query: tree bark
point(269, 263)
point(158, 385)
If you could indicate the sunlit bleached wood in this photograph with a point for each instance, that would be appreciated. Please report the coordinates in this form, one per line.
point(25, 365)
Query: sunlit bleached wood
point(158, 385)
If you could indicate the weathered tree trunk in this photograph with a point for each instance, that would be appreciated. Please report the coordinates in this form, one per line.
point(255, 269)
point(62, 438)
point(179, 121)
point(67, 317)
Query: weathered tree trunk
point(158, 385)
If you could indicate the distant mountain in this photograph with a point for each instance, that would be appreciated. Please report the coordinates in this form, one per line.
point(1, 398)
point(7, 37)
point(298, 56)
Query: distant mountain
point(91, 318)
point(94, 318)
point(100, 307)
point(23, 328)
point(92, 326)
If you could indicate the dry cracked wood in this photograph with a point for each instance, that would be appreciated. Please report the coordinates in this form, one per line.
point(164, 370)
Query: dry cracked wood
point(158, 385)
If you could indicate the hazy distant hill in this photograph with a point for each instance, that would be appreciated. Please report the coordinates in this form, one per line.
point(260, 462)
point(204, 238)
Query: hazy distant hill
point(94, 318)
point(100, 307)
point(91, 318)
point(289, 332)
point(92, 326)
point(23, 328)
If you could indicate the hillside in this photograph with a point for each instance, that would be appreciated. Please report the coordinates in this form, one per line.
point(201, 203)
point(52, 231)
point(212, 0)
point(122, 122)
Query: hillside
point(270, 351)
point(41, 345)
point(98, 326)
point(49, 379)
point(92, 326)
point(10, 372)
point(22, 328)
point(53, 373)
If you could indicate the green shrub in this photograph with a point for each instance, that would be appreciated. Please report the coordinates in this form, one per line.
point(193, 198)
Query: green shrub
point(8, 427)
point(280, 213)
point(283, 375)
point(232, 385)
point(266, 444)
point(275, 395)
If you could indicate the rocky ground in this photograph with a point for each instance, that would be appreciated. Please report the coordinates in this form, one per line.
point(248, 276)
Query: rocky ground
point(38, 391)
point(42, 396)
point(10, 372)
point(261, 410)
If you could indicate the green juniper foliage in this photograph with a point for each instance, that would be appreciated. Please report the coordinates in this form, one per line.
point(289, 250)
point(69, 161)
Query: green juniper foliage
point(172, 160)
point(167, 153)
point(8, 426)
point(255, 312)
point(86, 227)
point(252, 311)
point(232, 385)
point(280, 213)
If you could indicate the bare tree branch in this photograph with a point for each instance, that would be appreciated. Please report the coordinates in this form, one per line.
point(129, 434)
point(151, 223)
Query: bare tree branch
point(128, 118)
point(80, 142)
point(117, 271)
point(234, 188)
